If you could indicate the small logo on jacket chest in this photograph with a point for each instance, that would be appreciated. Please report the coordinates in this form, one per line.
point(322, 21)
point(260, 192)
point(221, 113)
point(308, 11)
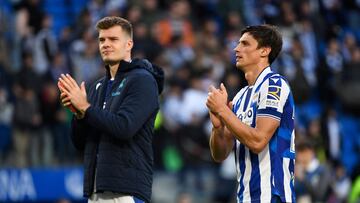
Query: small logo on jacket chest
point(119, 88)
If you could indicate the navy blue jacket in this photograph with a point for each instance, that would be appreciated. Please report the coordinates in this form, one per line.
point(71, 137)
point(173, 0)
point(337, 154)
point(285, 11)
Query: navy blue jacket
point(117, 140)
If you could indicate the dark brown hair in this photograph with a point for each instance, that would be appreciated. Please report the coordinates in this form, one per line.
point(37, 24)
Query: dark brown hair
point(266, 36)
point(110, 21)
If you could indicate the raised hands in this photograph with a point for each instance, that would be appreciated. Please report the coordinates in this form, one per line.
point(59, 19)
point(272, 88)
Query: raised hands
point(217, 99)
point(216, 102)
point(72, 95)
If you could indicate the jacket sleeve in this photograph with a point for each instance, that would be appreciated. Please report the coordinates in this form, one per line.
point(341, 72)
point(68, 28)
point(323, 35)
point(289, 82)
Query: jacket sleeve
point(78, 132)
point(79, 128)
point(140, 102)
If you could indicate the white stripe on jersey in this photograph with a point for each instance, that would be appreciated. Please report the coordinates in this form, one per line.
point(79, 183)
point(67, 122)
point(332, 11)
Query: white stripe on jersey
point(247, 175)
point(265, 171)
point(237, 151)
point(287, 179)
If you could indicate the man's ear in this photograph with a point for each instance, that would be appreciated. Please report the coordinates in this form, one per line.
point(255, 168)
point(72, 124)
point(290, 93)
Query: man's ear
point(265, 51)
point(129, 44)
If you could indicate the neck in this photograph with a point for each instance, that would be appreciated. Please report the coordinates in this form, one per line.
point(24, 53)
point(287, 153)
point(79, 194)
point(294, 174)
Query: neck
point(253, 72)
point(113, 69)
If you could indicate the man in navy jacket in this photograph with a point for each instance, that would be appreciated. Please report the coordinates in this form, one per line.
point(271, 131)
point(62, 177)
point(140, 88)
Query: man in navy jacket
point(114, 118)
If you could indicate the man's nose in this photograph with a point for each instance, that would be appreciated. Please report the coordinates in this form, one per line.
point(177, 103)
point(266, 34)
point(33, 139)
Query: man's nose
point(236, 48)
point(105, 43)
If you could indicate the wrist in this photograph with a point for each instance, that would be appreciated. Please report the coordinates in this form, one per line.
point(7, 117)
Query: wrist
point(220, 113)
point(80, 113)
point(85, 107)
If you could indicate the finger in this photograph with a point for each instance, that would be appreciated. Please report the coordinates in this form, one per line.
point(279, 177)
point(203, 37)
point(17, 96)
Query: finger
point(66, 99)
point(59, 84)
point(66, 81)
point(64, 91)
point(63, 95)
point(64, 84)
point(67, 104)
point(230, 105)
point(222, 87)
point(73, 82)
point(208, 104)
point(212, 88)
point(82, 87)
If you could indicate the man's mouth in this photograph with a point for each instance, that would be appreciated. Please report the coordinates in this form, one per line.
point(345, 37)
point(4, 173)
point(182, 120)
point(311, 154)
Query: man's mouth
point(106, 52)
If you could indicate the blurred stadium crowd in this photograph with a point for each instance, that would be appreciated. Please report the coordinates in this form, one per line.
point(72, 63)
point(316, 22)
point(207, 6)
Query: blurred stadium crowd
point(193, 41)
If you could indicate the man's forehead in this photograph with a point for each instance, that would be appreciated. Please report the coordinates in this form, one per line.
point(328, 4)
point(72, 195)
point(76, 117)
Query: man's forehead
point(115, 30)
point(247, 37)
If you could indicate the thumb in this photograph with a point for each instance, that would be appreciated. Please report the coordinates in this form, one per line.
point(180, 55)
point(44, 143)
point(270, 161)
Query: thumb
point(222, 87)
point(230, 105)
point(212, 88)
point(82, 86)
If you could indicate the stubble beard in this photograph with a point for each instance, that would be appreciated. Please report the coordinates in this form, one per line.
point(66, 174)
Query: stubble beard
point(239, 66)
point(111, 62)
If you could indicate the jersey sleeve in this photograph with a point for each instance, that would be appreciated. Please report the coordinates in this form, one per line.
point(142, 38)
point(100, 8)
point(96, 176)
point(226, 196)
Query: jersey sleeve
point(272, 97)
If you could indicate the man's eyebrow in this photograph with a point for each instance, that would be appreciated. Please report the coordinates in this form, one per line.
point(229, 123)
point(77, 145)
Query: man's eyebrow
point(244, 41)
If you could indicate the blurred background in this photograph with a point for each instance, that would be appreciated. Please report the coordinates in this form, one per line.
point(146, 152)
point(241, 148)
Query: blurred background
point(193, 40)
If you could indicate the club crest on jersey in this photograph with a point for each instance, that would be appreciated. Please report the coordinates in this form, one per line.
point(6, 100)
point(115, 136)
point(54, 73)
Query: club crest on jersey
point(118, 90)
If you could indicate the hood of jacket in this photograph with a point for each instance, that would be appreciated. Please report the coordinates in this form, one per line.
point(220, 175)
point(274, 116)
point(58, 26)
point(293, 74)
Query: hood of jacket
point(155, 70)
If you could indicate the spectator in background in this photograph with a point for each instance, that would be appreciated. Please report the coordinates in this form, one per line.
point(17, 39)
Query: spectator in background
point(342, 184)
point(313, 179)
point(27, 121)
point(191, 137)
point(86, 61)
point(178, 53)
point(294, 63)
point(348, 45)
point(55, 125)
point(331, 135)
point(45, 46)
point(151, 13)
point(83, 24)
point(34, 12)
point(146, 44)
point(176, 24)
point(329, 74)
point(349, 86)
point(27, 117)
point(6, 114)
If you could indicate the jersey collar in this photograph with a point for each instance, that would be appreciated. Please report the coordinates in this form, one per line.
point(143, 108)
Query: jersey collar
point(261, 76)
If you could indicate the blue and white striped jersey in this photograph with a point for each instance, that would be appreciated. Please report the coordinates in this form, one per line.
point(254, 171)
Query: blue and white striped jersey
point(271, 172)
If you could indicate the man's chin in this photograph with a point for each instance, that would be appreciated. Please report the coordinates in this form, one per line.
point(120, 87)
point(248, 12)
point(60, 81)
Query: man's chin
point(238, 65)
point(110, 62)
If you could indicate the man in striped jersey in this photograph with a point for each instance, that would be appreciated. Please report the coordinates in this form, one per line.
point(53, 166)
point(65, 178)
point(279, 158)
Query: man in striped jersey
point(259, 122)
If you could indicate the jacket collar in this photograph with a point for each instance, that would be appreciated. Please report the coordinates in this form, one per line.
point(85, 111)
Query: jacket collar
point(124, 66)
